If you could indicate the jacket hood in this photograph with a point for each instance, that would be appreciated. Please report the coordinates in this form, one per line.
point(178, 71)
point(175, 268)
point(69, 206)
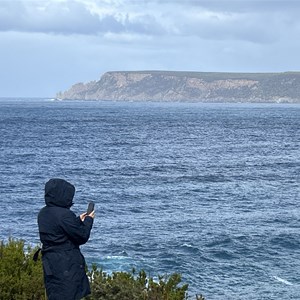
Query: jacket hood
point(59, 192)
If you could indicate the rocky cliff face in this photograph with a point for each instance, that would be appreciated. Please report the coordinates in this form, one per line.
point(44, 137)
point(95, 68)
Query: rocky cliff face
point(189, 87)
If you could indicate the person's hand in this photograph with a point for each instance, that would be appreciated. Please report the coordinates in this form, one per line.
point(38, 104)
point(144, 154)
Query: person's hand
point(82, 216)
point(92, 214)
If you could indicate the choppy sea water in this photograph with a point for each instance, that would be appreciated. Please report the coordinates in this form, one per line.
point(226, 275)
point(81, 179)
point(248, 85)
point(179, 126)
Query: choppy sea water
point(207, 190)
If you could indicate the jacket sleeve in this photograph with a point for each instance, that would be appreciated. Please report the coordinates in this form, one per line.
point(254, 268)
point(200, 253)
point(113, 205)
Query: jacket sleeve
point(77, 231)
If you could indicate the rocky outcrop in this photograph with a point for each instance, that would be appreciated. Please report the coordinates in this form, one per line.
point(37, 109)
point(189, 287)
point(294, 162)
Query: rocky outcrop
point(189, 87)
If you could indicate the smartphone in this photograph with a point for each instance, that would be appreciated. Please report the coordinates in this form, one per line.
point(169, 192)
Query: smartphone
point(90, 207)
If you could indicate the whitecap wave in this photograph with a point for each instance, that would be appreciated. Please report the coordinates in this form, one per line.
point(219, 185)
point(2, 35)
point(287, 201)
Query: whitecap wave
point(117, 257)
point(282, 280)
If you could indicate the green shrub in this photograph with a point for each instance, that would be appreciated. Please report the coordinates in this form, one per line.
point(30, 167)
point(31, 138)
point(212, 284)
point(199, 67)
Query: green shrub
point(22, 279)
point(125, 286)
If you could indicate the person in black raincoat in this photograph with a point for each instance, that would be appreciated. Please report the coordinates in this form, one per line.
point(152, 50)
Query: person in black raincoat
point(61, 234)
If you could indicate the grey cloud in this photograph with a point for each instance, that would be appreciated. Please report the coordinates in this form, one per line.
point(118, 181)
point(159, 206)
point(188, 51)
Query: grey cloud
point(248, 27)
point(11, 15)
point(251, 21)
point(258, 21)
point(145, 24)
point(235, 5)
point(70, 17)
point(60, 18)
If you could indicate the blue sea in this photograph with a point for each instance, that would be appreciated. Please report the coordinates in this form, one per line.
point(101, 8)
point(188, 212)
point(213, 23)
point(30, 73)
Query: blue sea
point(211, 191)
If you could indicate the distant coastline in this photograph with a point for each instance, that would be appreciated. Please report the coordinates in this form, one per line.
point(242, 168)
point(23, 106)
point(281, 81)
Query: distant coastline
point(178, 86)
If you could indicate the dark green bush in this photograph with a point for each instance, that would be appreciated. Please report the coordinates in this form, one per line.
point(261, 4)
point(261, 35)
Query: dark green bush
point(22, 279)
point(127, 286)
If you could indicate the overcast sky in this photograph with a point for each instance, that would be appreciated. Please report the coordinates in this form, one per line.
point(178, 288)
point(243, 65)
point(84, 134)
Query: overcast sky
point(48, 45)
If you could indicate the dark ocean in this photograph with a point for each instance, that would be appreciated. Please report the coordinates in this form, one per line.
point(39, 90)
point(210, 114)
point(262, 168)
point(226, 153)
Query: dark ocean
point(211, 191)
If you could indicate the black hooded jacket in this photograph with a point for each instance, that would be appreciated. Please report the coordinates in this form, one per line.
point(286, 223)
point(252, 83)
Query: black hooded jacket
point(61, 234)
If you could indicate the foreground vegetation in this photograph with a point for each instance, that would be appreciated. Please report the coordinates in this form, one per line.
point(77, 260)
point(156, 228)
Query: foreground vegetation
point(22, 279)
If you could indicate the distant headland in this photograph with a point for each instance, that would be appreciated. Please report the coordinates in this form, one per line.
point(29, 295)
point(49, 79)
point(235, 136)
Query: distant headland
point(180, 86)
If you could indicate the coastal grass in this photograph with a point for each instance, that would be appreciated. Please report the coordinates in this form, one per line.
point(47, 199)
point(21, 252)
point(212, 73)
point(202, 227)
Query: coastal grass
point(22, 279)
point(211, 76)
